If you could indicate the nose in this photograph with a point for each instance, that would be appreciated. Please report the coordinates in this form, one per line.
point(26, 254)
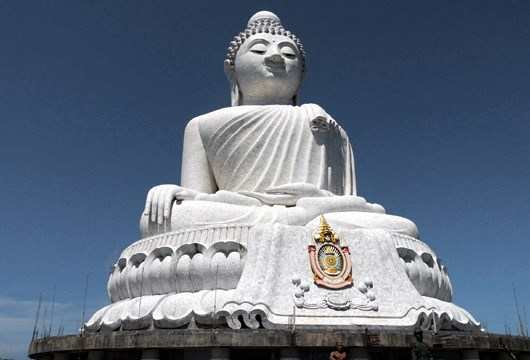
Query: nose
point(274, 56)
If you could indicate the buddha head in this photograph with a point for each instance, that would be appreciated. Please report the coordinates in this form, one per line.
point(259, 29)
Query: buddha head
point(265, 63)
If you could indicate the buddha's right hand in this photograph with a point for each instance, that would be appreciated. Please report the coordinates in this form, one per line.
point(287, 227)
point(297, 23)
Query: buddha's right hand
point(160, 199)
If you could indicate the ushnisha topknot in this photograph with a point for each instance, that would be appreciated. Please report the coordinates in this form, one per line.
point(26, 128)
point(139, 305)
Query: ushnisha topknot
point(262, 22)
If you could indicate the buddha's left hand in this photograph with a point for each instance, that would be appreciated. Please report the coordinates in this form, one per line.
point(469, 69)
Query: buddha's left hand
point(287, 194)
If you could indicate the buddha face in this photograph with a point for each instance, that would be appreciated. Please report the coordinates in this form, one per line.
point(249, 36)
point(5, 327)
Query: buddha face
point(268, 68)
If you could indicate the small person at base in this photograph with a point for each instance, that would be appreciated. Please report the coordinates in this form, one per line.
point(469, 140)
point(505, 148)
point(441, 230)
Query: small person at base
point(339, 353)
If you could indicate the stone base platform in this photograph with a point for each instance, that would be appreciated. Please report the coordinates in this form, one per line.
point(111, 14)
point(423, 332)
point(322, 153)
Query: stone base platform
point(199, 344)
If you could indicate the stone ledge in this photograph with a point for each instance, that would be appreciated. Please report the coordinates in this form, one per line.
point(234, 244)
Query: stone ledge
point(207, 338)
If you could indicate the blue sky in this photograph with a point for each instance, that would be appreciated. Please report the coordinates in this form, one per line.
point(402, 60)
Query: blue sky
point(94, 97)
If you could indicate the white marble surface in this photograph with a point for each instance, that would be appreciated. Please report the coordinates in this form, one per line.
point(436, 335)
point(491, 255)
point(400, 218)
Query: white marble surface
point(266, 290)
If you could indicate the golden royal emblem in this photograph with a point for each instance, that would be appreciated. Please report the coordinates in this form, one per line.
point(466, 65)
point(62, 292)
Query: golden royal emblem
point(330, 262)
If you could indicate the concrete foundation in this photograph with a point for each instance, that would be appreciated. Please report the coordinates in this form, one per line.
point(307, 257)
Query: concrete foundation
point(313, 344)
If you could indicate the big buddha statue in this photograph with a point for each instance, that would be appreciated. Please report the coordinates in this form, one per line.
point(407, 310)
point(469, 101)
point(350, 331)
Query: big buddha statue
point(266, 228)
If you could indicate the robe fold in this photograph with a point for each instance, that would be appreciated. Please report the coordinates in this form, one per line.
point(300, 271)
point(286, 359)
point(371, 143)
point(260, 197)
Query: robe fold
point(260, 147)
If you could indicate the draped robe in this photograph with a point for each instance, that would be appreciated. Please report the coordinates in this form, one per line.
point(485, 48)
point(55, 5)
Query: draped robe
point(254, 148)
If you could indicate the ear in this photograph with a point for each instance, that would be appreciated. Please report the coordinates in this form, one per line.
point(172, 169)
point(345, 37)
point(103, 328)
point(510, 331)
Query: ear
point(235, 95)
point(229, 71)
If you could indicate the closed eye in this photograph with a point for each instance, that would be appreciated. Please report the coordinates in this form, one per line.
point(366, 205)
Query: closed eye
point(288, 52)
point(258, 48)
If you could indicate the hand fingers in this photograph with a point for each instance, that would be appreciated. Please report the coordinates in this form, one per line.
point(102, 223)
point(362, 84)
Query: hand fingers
point(147, 210)
point(169, 196)
point(154, 205)
point(160, 206)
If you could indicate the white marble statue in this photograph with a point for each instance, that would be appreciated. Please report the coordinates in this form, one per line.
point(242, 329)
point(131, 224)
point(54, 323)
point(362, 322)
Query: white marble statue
point(264, 150)
point(231, 242)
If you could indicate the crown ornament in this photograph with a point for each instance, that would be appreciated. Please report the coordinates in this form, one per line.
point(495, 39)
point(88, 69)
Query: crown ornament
point(330, 262)
point(325, 233)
